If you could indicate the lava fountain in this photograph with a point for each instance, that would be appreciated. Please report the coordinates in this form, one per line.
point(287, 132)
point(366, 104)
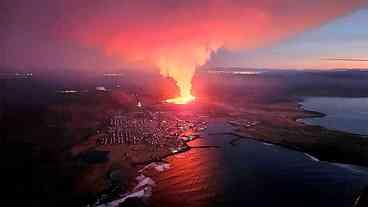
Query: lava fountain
point(184, 83)
point(180, 63)
point(184, 98)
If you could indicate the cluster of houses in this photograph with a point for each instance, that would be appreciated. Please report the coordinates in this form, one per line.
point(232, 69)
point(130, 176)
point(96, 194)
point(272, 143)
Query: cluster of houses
point(148, 128)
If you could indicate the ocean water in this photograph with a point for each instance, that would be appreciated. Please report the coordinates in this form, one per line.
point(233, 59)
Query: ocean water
point(253, 173)
point(345, 114)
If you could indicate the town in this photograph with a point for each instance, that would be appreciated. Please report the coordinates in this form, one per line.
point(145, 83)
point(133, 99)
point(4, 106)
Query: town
point(158, 129)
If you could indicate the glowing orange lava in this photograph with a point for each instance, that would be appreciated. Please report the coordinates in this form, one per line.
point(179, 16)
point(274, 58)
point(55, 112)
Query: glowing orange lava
point(181, 100)
point(181, 69)
point(185, 87)
point(185, 94)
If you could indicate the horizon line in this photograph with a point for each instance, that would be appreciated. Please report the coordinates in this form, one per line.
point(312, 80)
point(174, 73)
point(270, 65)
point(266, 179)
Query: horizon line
point(346, 59)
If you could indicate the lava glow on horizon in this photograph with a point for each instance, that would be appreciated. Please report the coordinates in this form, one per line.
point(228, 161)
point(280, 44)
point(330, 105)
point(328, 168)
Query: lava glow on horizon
point(181, 99)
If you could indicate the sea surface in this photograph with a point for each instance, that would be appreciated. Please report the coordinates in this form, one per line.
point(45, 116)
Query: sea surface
point(344, 114)
point(252, 173)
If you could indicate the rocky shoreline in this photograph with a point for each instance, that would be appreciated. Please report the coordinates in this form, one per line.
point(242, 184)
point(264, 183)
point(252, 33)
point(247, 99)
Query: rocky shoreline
point(139, 185)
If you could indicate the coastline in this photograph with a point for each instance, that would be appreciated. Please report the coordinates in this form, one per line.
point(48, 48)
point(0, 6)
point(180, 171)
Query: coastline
point(308, 113)
point(319, 142)
point(276, 124)
point(317, 114)
point(140, 182)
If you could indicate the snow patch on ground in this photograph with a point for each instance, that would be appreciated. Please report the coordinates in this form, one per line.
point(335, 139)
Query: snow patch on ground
point(159, 166)
point(144, 187)
point(142, 190)
point(311, 157)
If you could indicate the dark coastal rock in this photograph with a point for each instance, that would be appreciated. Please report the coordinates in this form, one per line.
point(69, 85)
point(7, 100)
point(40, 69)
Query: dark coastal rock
point(93, 157)
point(362, 200)
point(133, 202)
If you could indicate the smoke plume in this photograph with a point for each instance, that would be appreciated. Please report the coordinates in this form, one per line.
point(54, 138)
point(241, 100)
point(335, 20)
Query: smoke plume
point(178, 36)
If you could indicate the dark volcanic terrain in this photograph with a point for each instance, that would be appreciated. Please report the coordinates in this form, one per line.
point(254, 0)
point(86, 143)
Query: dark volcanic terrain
point(49, 147)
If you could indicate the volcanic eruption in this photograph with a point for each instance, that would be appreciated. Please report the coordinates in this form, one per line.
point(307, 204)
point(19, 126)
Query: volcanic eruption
point(181, 67)
point(178, 36)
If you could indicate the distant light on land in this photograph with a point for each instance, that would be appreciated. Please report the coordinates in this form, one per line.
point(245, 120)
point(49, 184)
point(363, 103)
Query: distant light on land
point(346, 59)
point(24, 74)
point(100, 88)
point(16, 75)
point(246, 72)
point(68, 91)
point(236, 72)
point(113, 74)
